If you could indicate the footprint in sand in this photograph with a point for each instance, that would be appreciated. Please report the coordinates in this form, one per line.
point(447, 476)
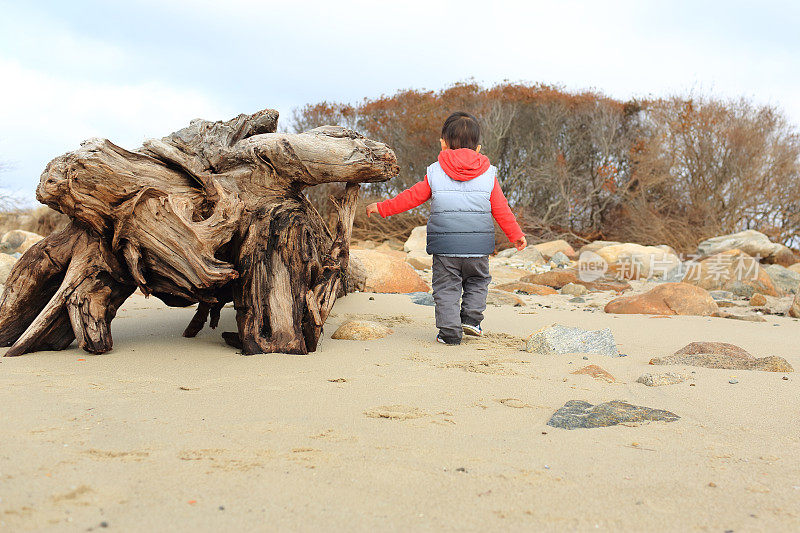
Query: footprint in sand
point(396, 412)
point(513, 402)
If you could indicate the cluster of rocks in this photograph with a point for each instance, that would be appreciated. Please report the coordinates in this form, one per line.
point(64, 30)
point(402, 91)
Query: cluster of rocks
point(742, 275)
point(12, 245)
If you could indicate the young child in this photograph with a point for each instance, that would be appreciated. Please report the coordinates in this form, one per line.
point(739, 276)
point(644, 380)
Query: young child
point(465, 196)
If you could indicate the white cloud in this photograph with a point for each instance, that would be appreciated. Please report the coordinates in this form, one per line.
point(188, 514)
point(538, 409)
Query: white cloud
point(44, 116)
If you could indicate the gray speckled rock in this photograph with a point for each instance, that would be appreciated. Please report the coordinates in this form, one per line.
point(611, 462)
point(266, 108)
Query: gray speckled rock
point(653, 379)
point(576, 414)
point(722, 295)
point(783, 278)
point(559, 339)
point(742, 289)
point(422, 298)
point(560, 259)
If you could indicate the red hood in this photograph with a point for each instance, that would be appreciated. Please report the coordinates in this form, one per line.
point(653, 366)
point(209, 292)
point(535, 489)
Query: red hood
point(463, 164)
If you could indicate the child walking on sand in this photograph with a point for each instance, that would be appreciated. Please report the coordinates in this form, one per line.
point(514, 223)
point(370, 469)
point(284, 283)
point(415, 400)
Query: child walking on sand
point(465, 196)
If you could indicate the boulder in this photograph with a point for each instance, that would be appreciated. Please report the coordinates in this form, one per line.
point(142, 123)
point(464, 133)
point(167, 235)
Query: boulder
point(785, 256)
point(560, 259)
point(634, 261)
point(784, 278)
point(527, 288)
point(666, 299)
point(529, 256)
point(7, 262)
point(18, 241)
point(722, 295)
point(577, 414)
point(417, 241)
point(555, 278)
point(550, 248)
point(722, 355)
point(596, 245)
point(574, 289)
point(733, 271)
point(496, 297)
point(387, 274)
point(751, 242)
point(420, 260)
point(560, 339)
point(504, 274)
point(360, 330)
point(558, 278)
point(505, 254)
point(794, 310)
point(415, 247)
point(659, 379)
point(758, 300)
point(356, 274)
point(596, 372)
point(794, 268)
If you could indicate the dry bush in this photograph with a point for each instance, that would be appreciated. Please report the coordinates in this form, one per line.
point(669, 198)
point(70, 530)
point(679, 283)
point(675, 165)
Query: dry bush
point(704, 168)
point(583, 166)
point(41, 220)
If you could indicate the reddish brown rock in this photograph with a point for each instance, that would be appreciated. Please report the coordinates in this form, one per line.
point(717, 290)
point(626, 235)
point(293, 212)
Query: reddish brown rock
point(758, 300)
point(596, 372)
point(527, 288)
point(722, 355)
point(558, 278)
point(555, 278)
point(666, 299)
point(388, 274)
point(731, 270)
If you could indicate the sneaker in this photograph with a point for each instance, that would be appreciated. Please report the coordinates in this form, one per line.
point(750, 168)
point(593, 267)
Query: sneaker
point(441, 340)
point(475, 331)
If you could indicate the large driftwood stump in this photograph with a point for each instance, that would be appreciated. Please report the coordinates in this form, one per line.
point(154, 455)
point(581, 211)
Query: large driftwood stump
point(210, 214)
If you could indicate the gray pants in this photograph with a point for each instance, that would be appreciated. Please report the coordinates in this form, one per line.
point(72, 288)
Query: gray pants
point(451, 276)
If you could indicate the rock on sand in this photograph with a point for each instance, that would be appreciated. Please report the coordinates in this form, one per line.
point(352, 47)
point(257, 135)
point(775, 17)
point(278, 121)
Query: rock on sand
point(666, 299)
point(527, 288)
point(560, 339)
point(722, 355)
point(751, 242)
point(659, 379)
point(733, 271)
point(360, 330)
point(576, 414)
point(387, 274)
point(550, 248)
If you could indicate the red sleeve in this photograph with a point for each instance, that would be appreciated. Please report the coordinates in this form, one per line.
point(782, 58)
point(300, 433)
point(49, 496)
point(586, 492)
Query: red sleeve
point(416, 195)
point(503, 215)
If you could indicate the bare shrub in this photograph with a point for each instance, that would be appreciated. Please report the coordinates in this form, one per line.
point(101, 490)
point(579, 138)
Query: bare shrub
point(583, 166)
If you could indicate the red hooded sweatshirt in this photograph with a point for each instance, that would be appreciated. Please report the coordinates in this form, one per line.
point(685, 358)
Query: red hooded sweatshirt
point(462, 165)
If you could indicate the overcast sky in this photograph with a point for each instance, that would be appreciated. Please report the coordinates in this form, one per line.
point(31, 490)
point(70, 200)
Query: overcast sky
point(143, 68)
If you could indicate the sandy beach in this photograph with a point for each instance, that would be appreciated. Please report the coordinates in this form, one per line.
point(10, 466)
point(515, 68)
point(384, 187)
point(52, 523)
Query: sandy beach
point(397, 434)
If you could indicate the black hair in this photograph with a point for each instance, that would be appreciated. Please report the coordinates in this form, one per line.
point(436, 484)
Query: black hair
point(461, 130)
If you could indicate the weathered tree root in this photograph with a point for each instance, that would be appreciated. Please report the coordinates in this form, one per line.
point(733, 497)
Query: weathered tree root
point(211, 214)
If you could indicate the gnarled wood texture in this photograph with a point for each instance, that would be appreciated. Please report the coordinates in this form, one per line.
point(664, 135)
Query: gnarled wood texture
point(210, 214)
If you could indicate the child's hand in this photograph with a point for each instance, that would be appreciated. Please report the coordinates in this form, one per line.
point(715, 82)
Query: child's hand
point(372, 209)
point(520, 243)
